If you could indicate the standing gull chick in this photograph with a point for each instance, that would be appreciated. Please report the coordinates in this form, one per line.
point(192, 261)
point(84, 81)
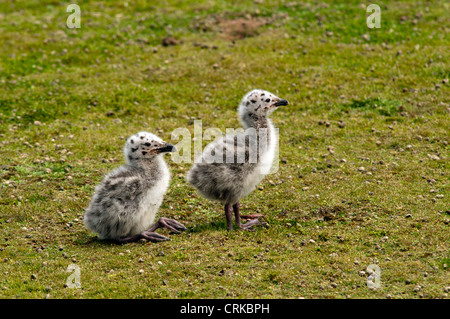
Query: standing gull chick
point(229, 181)
point(125, 203)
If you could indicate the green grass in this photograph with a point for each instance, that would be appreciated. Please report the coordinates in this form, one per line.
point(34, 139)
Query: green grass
point(92, 87)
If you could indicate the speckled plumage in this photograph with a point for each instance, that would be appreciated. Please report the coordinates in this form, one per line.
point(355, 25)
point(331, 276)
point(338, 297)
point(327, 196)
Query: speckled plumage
point(228, 181)
point(126, 201)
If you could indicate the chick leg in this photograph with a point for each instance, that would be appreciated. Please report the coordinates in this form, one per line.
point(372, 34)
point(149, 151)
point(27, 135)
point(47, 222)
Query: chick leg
point(150, 234)
point(247, 225)
point(251, 216)
point(146, 234)
point(237, 216)
point(170, 224)
point(228, 216)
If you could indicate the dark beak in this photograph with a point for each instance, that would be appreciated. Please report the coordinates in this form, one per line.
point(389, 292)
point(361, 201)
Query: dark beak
point(281, 102)
point(167, 148)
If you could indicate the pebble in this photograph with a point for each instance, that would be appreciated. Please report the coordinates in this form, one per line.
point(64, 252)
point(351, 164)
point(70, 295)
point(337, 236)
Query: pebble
point(433, 157)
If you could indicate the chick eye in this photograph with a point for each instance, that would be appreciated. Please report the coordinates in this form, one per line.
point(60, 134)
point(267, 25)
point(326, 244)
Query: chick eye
point(267, 100)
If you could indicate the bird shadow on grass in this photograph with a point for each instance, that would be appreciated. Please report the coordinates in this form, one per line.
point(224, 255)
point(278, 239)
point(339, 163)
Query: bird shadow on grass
point(96, 242)
point(207, 226)
point(93, 241)
point(83, 239)
point(220, 226)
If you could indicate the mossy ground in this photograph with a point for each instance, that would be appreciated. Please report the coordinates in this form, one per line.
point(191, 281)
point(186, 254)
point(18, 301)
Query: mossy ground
point(363, 164)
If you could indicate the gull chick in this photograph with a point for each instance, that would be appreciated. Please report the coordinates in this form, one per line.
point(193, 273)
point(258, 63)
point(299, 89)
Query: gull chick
point(218, 178)
point(125, 203)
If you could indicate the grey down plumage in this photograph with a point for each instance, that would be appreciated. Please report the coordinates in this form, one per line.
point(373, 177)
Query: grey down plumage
point(125, 203)
point(231, 167)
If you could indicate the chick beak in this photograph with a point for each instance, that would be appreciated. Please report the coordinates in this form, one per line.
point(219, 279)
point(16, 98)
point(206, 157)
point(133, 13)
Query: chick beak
point(167, 148)
point(281, 102)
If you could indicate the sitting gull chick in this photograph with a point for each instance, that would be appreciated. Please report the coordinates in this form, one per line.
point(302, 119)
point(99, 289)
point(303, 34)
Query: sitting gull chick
point(228, 181)
point(125, 203)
